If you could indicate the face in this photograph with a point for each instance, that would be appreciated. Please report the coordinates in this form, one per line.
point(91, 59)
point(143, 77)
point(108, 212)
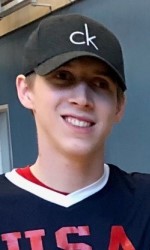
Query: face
point(75, 106)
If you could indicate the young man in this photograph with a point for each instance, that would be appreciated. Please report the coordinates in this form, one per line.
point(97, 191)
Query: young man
point(73, 82)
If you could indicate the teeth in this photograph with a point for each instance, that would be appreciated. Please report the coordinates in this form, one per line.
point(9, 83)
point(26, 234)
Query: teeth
point(77, 122)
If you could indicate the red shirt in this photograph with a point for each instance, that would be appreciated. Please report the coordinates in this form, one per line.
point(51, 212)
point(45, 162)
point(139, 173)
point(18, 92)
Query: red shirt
point(27, 174)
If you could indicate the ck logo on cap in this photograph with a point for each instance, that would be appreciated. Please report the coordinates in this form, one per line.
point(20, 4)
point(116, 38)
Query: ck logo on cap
point(87, 39)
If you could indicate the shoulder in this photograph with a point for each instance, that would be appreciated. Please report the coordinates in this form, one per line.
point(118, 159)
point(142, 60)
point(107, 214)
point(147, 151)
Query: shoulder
point(3, 182)
point(137, 183)
point(7, 188)
point(136, 177)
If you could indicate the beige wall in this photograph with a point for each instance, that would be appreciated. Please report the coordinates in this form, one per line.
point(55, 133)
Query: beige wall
point(29, 13)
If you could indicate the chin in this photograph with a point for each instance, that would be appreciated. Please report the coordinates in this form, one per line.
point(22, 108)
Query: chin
point(80, 149)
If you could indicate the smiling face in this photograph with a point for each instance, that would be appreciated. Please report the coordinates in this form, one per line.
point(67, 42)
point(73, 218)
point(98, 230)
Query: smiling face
point(74, 106)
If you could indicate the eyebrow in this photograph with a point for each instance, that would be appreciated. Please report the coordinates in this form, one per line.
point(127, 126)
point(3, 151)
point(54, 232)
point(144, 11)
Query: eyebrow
point(103, 72)
point(107, 72)
point(97, 72)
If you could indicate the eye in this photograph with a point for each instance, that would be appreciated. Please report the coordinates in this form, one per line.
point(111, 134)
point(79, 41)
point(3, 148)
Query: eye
point(64, 75)
point(61, 78)
point(101, 83)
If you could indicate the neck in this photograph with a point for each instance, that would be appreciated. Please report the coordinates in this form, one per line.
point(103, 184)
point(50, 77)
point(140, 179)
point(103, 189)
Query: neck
point(67, 171)
point(67, 174)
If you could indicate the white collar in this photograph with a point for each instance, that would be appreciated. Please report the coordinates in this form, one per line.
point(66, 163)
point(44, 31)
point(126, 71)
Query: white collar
point(57, 198)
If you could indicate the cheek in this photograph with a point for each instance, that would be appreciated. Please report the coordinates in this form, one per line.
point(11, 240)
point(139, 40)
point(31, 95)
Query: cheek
point(48, 107)
point(107, 104)
point(107, 112)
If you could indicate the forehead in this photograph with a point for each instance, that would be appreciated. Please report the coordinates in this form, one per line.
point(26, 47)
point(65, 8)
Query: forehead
point(89, 65)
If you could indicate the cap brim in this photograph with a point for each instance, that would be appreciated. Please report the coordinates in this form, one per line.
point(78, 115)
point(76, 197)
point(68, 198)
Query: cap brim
point(55, 62)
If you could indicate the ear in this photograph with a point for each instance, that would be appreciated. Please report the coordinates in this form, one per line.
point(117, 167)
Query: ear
point(120, 109)
point(24, 92)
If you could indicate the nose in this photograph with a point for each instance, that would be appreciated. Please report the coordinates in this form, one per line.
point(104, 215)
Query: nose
point(81, 96)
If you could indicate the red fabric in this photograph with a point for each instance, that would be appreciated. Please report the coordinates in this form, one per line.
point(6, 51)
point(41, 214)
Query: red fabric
point(27, 174)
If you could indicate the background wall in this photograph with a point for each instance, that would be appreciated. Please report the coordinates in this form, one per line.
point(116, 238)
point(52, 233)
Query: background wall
point(129, 144)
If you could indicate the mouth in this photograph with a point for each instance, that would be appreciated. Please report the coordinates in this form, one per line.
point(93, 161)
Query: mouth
point(78, 122)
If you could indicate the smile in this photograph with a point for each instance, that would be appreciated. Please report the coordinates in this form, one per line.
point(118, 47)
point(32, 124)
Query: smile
point(78, 123)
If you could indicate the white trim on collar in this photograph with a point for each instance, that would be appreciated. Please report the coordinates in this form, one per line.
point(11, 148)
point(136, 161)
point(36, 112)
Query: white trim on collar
point(57, 198)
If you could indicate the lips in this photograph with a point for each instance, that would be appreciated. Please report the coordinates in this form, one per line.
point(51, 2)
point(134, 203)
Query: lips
point(78, 122)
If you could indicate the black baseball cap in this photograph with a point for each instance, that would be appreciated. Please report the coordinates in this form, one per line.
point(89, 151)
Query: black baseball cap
point(61, 38)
